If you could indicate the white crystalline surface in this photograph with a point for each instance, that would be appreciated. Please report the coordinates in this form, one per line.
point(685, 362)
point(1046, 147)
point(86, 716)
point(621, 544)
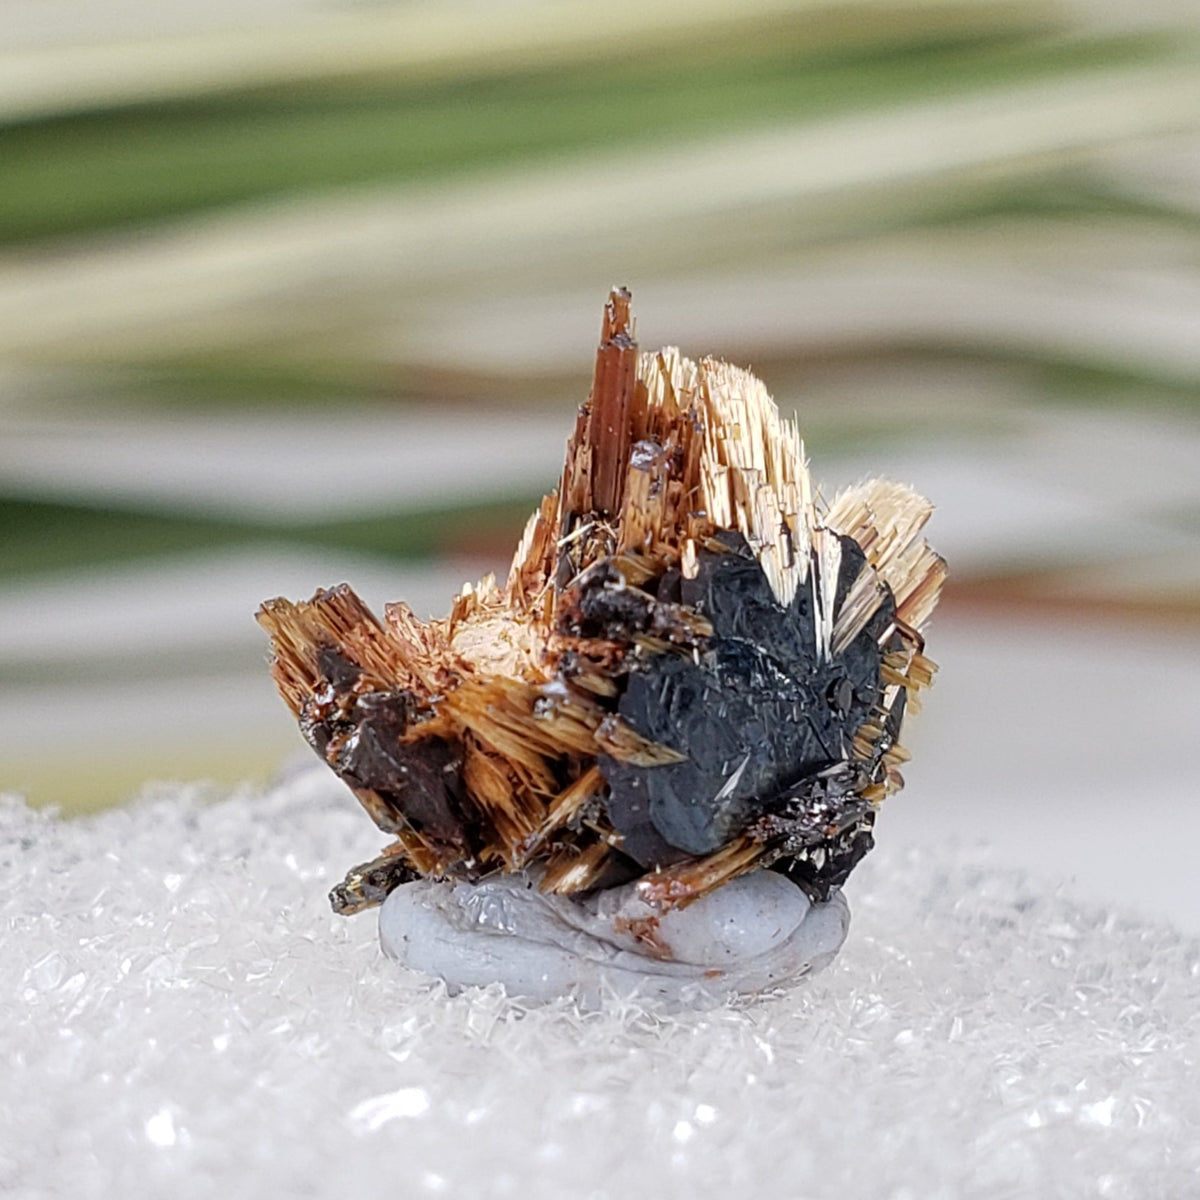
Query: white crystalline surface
point(183, 1016)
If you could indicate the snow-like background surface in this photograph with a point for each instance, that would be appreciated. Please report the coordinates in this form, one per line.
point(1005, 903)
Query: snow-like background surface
point(188, 1019)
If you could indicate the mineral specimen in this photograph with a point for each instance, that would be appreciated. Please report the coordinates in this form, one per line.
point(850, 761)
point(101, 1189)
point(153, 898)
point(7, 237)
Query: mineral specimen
point(694, 670)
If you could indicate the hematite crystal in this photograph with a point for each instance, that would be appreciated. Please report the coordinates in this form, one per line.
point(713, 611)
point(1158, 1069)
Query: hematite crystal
point(758, 716)
point(692, 671)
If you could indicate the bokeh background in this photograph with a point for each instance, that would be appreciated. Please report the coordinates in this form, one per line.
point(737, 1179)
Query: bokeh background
point(296, 291)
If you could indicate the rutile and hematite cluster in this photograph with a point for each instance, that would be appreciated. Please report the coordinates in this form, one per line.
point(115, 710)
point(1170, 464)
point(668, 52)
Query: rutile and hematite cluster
point(694, 668)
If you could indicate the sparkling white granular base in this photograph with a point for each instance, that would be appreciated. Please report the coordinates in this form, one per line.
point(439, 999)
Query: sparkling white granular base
point(185, 1017)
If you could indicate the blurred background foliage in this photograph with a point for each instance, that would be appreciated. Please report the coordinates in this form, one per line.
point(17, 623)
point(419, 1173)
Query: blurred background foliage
point(300, 290)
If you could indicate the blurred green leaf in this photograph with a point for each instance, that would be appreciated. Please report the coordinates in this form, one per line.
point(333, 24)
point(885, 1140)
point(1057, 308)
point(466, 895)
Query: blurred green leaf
point(108, 169)
point(43, 536)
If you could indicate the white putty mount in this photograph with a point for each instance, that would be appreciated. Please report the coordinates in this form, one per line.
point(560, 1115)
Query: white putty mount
point(757, 932)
